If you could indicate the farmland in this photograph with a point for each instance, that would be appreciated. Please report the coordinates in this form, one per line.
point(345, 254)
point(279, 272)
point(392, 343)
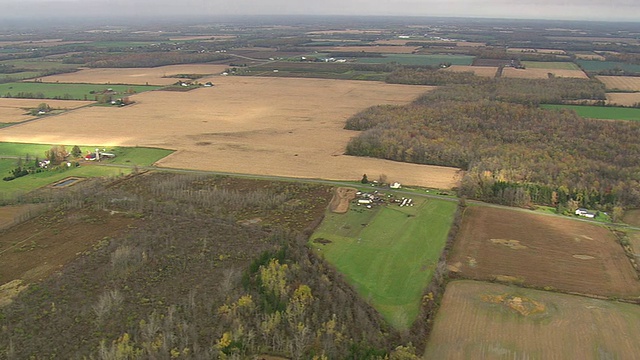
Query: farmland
point(252, 125)
point(542, 73)
point(163, 75)
point(557, 65)
point(487, 71)
point(621, 83)
point(62, 91)
point(492, 321)
point(410, 59)
point(389, 254)
point(16, 110)
point(543, 252)
point(623, 99)
point(596, 66)
point(388, 49)
point(600, 112)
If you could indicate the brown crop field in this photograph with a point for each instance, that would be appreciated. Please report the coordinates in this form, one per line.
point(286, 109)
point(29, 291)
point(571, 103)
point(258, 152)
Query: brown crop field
point(629, 83)
point(589, 56)
point(16, 110)
point(542, 251)
point(623, 99)
point(161, 75)
point(267, 126)
point(486, 71)
point(533, 73)
point(537, 51)
point(384, 49)
point(491, 321)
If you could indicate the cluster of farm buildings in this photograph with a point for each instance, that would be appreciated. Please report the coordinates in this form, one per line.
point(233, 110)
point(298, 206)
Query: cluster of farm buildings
point(376, 198)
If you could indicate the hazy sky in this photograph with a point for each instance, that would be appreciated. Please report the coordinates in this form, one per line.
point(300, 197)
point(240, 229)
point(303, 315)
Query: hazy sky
point(611, 10)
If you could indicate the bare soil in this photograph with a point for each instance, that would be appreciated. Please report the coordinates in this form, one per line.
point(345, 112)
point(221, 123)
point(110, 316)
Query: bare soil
point(162, 75)
point(266, 126)
point(563, 254)
point(342, 197)
point(533, 73)
point(12, 214)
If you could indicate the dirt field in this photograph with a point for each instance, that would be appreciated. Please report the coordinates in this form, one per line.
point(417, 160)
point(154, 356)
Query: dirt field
point(532, 73)
point(538, 250)
point(491, 321)
point(624, 99)
point(630, 83)
point(389, 49)
point(12, 214)
point(135, 76)
point(13, 110)
point(342, 196)
point(202, 37)
point(632, 217)
point(37, 248)
point(487, 71)
point(268, 126)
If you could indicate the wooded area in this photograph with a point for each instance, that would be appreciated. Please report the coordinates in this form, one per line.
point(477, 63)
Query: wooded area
point(513, 152)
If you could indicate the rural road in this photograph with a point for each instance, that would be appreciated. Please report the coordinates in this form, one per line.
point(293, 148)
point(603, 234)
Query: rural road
point(351, 184)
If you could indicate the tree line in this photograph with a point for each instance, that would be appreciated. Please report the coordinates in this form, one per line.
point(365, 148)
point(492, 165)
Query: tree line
point(513, 152)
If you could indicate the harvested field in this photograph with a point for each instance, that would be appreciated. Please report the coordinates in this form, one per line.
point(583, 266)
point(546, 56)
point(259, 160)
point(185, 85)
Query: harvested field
point(533, 73)
point(13, 214)
point(267, 126)
point(202, 37)
point(385, 49)
point(544, 255)
point(16, 110)
point(490, 321)
point(632, 217)
point(628, 83)
point(555, 65)
point(487, 71)
point(623, 99)
point(135, 76)
point(342, 196)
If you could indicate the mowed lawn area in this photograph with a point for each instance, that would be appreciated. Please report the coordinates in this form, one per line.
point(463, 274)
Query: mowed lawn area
point(388, 253)
point(62, 91)
point(600, 112)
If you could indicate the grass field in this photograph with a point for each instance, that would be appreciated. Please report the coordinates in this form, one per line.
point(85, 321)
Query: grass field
point(600, 112)
point(252, 125)
point(389, 254)
point(410, 59)
point(595, 66)
point(66, 91)
point(491, 321)
point(558, 65)
point(125, 156)
point(542, 251)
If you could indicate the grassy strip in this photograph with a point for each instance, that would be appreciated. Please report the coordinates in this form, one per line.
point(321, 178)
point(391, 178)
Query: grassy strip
point(388, 253)
point(600, 112)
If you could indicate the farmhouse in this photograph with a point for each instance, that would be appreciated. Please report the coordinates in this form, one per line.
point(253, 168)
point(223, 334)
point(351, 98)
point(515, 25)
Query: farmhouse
point(586, 213)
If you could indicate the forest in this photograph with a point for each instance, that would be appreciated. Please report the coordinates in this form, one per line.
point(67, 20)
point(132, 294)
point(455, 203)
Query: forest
point(211, 267)
point(514, 153)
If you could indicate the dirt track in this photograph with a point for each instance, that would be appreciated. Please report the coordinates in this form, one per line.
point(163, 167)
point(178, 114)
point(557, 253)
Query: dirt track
point(267, 126)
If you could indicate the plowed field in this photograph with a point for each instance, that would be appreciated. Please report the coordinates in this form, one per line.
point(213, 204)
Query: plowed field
point(268, 126)
point(538, 250)
point(491, 321)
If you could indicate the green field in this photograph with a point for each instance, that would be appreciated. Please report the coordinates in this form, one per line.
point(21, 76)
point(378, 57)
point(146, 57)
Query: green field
point(600, 112)
point(124, 156)
point(595, 66)
point(555, 65)
point(66, 91)
point(410, 59)
point(388, 253)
